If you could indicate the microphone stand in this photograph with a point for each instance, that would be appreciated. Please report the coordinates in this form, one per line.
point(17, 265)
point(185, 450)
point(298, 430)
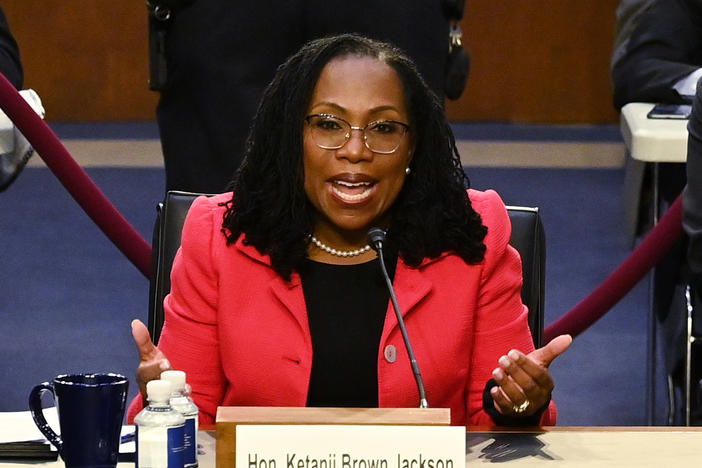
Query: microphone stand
point(376, 236)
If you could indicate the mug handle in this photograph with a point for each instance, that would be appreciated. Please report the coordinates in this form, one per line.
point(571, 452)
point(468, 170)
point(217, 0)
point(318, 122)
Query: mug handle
point(38, 413)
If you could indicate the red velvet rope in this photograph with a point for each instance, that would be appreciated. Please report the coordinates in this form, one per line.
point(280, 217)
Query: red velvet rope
point(138, 251)
point(74, 178)
point(644, 257)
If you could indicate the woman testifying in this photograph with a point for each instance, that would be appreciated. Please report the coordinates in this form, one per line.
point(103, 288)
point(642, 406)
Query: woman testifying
point(277, 298)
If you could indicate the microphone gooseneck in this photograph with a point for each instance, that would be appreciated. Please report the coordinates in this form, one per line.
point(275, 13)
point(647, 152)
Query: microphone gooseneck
point(376, 238)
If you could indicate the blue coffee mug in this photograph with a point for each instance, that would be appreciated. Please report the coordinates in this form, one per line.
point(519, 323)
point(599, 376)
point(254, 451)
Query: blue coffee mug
point(90, 411)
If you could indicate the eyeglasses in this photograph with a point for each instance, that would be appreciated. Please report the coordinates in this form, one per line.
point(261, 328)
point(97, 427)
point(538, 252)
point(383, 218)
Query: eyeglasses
point(331, 132)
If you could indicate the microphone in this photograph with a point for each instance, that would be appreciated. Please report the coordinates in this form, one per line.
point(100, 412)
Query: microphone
point(376, 237)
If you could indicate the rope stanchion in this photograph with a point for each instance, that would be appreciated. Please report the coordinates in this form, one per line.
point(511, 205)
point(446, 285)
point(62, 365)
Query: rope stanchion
point(644, 257)
point(138, 251)
point(74, 178)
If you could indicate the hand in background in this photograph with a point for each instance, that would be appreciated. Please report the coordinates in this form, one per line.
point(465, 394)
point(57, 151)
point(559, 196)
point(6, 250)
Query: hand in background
point(151, 360)
point(524, 382)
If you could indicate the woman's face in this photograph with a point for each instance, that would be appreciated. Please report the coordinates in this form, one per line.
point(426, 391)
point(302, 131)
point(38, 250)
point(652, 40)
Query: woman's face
point(352, 188)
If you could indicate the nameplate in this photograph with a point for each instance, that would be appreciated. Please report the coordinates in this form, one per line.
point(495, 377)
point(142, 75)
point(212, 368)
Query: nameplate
point(349, 446)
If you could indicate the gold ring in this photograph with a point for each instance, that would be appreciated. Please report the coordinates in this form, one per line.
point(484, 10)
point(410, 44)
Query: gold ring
point(519, 409)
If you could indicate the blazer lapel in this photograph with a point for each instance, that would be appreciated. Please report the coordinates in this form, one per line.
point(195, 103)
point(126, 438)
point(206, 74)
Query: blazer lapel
point(291, 296)
point(289, 293)
point(411, 286)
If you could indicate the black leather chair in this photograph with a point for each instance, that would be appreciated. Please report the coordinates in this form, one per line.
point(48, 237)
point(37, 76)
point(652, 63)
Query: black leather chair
point(527, 237)
point(170, 216)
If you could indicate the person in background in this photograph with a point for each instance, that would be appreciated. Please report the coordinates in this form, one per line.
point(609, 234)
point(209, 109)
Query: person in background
point(10, 63)
point(12, 163)
point(628, 12)
point(662, 63)
point(692, 195)
point(692, 225)
point(278, 300)
point(658, 62)
point(213, 59)
point(662, 60)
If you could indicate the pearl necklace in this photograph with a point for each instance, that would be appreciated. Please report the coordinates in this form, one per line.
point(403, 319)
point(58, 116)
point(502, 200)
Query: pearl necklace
point(339, 253)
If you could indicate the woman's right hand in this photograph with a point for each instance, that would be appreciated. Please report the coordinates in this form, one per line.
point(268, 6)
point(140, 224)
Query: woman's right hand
point(152, 361)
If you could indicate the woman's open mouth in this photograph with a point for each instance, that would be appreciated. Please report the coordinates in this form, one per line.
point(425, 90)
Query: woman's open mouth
point(352, 192)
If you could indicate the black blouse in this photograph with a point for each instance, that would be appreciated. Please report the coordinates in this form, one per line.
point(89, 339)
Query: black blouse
point(346, 307)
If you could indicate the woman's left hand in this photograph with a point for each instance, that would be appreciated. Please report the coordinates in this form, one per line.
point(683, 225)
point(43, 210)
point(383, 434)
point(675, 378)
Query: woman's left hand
point(524, 383)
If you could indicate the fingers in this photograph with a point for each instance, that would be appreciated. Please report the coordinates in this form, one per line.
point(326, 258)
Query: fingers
point(141, 336)
point(150, 370)
point(525, 371)
point(503, 403)
point(151, 360)
point(142, 339)
point(545, 355)
point(520, 380)
point(523, 378)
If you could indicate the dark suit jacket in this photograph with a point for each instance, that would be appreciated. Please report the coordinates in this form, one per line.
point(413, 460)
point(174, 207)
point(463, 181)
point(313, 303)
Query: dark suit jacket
point(692, 198)
point(10, 64)
point(221, 54)
point(665, 46)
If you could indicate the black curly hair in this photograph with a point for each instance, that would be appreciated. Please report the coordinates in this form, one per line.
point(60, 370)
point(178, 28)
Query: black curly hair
point(431, 215)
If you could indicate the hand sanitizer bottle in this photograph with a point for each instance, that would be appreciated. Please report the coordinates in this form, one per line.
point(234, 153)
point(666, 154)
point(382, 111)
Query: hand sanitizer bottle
point(181, 402)
point(159, 430)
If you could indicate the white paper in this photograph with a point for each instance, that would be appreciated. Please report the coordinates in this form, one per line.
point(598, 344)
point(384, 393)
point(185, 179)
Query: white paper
point(340, 446)
point(20, 427)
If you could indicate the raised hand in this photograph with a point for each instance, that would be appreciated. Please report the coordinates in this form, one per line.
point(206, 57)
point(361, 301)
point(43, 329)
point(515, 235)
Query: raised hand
point(152, 361)
point(524, 382)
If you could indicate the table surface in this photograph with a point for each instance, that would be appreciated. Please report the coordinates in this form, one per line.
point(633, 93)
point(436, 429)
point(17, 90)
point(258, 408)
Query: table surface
point(652, 140)
point(586, 447)
point(556, 447)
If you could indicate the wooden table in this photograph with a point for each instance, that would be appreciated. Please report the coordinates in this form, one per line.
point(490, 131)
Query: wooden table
point(596, 447)
point(553, 447)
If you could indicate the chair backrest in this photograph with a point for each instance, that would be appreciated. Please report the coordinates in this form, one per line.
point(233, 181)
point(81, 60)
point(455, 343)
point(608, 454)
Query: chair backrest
point(170, 216)
point(527, 237)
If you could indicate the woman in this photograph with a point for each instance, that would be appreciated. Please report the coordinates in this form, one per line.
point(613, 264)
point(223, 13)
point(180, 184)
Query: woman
point(277, 300)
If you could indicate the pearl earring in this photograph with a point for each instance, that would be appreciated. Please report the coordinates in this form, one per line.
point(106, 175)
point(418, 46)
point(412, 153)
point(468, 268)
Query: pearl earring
point(407, 171)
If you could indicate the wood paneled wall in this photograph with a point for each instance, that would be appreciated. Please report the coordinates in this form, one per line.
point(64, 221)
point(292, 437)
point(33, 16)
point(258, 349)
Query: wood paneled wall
point(541, 61)
point(533, 61)
point(87, 59)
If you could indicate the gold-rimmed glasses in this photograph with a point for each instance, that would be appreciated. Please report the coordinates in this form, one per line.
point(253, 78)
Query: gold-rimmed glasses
point(331, 132)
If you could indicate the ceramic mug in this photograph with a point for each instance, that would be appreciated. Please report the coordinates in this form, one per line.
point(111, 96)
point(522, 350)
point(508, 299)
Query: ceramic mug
point(90, 412)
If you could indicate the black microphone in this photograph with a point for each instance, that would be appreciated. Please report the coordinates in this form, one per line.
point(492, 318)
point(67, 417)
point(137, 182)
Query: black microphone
point(376, 237)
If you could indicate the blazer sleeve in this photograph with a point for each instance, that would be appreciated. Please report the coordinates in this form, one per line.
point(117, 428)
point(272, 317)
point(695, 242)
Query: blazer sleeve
point(502, 319)
point(190, 326)
point(665, 46)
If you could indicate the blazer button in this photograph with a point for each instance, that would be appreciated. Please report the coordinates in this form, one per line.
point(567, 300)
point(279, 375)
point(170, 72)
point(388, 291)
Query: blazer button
point(390, 353)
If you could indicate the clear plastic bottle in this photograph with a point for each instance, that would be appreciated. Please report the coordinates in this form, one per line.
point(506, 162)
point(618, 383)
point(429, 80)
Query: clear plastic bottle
point(159, 430)
point(181, 402)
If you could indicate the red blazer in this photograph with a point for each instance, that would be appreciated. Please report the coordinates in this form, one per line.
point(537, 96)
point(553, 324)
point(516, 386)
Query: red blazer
point(241, 333)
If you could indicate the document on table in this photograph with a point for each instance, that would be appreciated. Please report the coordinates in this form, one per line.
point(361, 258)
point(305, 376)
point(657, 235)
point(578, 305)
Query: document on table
point(19, 428)
point(21, 439)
